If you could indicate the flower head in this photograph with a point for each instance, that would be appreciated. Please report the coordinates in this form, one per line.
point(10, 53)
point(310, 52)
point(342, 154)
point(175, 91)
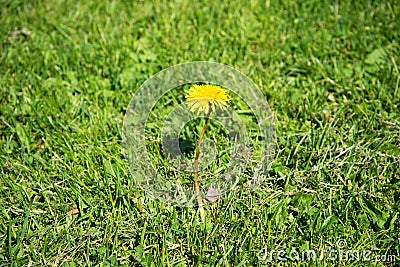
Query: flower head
point(204, 97)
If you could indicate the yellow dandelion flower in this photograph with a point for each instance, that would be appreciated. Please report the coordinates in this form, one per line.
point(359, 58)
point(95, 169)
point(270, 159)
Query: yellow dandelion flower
point(204, 97)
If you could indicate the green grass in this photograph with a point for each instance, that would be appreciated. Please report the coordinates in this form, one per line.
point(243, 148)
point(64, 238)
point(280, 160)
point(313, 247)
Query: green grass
point(330, 72)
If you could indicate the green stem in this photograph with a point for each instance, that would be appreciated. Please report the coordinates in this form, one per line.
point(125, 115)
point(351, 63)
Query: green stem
point(196, 170)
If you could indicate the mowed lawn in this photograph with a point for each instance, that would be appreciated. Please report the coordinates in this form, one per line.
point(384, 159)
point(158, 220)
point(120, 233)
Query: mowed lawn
point(329, 70)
